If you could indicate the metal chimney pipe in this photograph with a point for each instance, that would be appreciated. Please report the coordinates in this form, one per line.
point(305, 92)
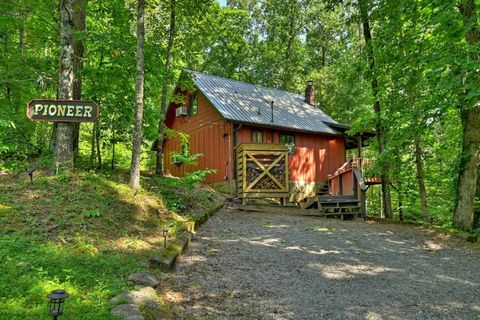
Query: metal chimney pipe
point(271, 106)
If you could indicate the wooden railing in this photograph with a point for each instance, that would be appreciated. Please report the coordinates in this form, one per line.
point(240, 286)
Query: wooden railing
point(349, 180)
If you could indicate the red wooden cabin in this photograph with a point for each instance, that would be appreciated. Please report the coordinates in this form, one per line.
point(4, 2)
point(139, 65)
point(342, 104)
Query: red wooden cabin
point(219, 114)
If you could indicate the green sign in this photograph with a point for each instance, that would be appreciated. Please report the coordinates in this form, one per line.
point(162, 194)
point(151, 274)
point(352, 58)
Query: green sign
point(62, 110)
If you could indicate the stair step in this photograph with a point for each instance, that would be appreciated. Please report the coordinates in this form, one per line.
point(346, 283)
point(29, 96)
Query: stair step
point(308, 203)
point(329, 198)
point(339, 203)
point(338, 213)
point(338, 208)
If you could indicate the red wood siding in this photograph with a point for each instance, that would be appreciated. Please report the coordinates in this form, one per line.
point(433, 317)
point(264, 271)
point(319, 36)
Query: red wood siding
point(244, 134)
point(315, 156)
point(347, 180)
point(348, 184)
point(209, 135)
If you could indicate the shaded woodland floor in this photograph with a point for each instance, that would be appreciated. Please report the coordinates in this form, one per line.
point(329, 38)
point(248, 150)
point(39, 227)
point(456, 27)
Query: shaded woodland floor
point(85, 233)
point(262, 266)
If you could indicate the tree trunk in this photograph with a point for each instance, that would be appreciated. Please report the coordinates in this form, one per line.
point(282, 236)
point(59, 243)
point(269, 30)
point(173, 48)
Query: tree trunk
point(92, 149)
point(476, 218)
point(421, 179)
point(64, 134)
point(21, 38)
point(137, 133)
point(5, 53)
point(400, 208)
point(464, 216)
point(387, 204)
point(163, 107)
point(112, 165)
point(79, 13)
point(97, 139)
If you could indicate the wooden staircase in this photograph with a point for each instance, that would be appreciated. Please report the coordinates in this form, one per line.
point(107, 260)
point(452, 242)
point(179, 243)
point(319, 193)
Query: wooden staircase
point(311, 201)
point(345, 193)
point(323, 190)
point(343, 206)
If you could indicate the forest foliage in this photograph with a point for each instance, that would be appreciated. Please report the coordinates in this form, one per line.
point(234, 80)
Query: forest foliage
point(423, 63)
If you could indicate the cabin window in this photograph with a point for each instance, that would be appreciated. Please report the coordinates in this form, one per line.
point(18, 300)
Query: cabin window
point(257, 136)
point(289, 141)
point(193, 104)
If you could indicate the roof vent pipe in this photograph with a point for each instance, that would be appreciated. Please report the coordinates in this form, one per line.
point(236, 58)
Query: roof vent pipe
point(310, 93)
point(271, 106)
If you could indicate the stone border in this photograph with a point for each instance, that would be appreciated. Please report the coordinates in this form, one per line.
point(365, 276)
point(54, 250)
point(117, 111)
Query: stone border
point(128, 304)
point(165, 260)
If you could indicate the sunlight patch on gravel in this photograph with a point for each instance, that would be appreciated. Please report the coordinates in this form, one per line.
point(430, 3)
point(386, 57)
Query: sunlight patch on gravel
point(348, 271)
point(395, 241)
point(194, 259)
point(175, 297)
point(294, 248)
point(276, 226)
point(324, 252)
point(457, 280)
point(432, 245)
point(266, 242)
point(373, 316)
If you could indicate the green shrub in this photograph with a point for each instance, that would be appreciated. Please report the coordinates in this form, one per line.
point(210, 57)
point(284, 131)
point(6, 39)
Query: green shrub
point(192, 178)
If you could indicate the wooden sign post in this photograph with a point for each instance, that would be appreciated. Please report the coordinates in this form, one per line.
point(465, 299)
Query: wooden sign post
point(62, 110)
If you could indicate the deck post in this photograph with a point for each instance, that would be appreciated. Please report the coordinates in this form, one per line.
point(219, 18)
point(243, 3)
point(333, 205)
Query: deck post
point(360, 150)
point(363, 204)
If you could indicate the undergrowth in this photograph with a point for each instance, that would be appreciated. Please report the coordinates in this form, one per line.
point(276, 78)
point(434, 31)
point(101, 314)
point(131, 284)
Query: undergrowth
point(84, 233)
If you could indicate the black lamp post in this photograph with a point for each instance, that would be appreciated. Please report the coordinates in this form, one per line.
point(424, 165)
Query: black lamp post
point(30, 173)
point(165, 235)
point(57, 298)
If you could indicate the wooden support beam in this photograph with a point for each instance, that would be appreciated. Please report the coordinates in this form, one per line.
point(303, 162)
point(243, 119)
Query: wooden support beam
point(363, 204)
point(360, 150)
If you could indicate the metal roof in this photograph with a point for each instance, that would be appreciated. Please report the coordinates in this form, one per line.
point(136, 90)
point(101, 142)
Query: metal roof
point(247, 103)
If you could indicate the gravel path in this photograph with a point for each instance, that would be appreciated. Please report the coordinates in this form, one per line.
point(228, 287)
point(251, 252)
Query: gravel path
point(245, 265)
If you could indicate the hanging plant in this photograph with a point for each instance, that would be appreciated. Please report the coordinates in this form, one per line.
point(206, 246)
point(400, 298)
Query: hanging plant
point(183, 157)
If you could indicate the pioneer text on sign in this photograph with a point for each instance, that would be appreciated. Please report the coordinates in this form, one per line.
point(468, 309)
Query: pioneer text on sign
point(62, 111)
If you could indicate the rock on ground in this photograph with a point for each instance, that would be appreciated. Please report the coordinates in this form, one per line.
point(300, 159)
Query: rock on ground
point(263, 266)
point(127, 312)
point(145, 279)
point(139, 297)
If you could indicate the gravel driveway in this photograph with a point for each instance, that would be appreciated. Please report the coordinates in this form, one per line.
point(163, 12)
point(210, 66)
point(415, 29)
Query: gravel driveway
point(245, 265)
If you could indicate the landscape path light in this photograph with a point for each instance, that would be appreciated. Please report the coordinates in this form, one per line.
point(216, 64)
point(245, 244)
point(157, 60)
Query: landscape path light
point(165, 235)
point(55, 306)
point(30, 173)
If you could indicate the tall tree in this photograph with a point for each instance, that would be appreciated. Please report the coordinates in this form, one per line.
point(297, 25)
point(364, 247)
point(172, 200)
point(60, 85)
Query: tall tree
point(379, 129)
point(464, 216)
point(163, 106)
point(79, 14)
point(139, 84)
point(421, 178)
point(64, 134)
